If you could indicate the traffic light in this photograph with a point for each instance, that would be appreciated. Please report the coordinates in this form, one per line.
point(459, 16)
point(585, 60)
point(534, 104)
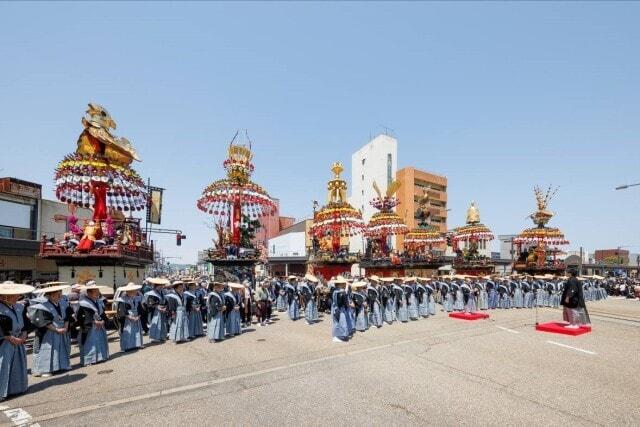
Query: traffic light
point(179, 239)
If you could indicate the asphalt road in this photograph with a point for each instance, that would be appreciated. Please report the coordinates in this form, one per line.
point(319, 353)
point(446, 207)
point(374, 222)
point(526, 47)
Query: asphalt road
point(438, 371)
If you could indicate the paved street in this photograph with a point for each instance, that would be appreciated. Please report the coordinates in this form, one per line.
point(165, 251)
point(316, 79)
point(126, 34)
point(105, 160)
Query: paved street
point(438, 371)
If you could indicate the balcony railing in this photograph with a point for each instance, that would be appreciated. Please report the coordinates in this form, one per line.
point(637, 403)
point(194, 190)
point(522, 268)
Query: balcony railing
point(17, 233)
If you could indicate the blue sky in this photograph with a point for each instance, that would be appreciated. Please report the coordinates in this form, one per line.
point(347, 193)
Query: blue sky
point(497, 96)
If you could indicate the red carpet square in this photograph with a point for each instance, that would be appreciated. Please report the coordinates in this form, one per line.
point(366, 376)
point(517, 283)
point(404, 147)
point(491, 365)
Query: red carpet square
point(559, 328)
point(469, 316)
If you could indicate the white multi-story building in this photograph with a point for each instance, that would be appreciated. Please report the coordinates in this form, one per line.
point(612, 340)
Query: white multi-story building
point(508, 250)
point(376, 161)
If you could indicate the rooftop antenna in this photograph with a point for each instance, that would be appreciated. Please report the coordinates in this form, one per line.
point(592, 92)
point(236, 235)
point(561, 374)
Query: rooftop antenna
point(388, 131)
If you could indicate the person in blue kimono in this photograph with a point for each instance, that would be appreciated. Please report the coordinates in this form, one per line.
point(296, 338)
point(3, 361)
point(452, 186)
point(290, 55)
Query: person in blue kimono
point(52, 342)
point(492, 294)
point(388, 302)
point(177, 312)
point(202, 293)
point(193, 304)
point(483, 299)
point(360, 306)
point(91, 317)
point(402, 311)
point(129, 313)
point(422, 299)
point(541, 294)
point(156, 308)
point(412, 302)
point(458, 302)
point(527, 293)
point(339, 304)
point(447, 297)
point(373, 302)
point(233, 300)
point(504, 298)
point(216, 309)
point(307, 291)
point(14, 327)
point(516, 294)
point(554, 295)
point(351, 313)
point(281, 295)
point(431, 298)
point(292, 298)
point(469, 298)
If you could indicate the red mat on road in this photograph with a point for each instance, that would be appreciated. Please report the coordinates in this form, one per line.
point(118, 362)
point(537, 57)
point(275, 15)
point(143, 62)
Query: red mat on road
point(559, 328)
point(469, 316)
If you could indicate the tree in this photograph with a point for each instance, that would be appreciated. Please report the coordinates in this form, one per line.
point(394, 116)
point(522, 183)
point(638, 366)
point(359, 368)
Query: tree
point(248, 230)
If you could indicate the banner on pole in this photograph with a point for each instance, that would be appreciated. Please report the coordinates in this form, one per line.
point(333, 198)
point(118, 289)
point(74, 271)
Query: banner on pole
point(154, 208)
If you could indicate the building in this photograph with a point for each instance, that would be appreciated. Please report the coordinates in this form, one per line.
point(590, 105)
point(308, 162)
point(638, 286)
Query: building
point(289, 250)
point(24, 218)
point(508, 250)
point(414, 184)
point(612, 256)
point(376, 161)
point(272, 225)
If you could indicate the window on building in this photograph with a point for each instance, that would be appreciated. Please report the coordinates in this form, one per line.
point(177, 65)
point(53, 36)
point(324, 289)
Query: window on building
point(363, 177)
point(389, 169)
point(363, 161)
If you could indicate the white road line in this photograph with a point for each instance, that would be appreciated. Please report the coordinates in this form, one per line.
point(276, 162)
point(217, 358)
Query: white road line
point(572, 348)
point(507, 329)
point(19, 416)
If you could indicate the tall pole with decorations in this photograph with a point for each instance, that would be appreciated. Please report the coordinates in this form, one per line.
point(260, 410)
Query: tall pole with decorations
point(230, 201)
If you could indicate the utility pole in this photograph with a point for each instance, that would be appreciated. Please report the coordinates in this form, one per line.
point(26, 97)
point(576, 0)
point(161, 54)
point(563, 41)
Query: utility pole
point(580, 262)
point(625, 186)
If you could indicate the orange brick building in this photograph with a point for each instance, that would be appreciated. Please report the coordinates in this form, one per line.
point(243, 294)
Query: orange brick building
point(414, 184)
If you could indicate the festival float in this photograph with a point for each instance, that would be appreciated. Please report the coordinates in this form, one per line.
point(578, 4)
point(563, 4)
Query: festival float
point(417, 259)
point(468, 241)
point(110, 245)
point(538, 247)
point(332, 226)
point(236, 203)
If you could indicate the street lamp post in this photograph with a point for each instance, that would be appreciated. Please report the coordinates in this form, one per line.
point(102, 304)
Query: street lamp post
point(624, 187)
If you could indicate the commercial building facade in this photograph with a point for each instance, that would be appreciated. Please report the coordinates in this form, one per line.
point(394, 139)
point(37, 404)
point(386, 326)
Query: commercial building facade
point(272, 225)
point(289, 251)
point(414, 184)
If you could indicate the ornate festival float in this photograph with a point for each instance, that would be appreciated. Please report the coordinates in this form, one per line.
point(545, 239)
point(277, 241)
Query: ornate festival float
point(332, 226)
point(110, 245)
point(418, 258)
point(235, 204)
point(469, 243)
point(538, 247)
point(424, 245)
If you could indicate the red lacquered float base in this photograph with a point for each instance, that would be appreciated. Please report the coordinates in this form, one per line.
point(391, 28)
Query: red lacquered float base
point(469, 316)
point(560, 328)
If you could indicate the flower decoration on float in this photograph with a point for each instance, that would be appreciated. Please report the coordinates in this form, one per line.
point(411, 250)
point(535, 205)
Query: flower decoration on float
point(337, 217)
point(473, 230)
point(419, 237)
point(541, 234)
point(386, 222)
point(99, 174)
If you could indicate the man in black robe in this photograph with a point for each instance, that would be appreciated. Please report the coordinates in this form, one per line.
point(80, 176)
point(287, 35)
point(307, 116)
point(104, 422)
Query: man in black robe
point(575, 309)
